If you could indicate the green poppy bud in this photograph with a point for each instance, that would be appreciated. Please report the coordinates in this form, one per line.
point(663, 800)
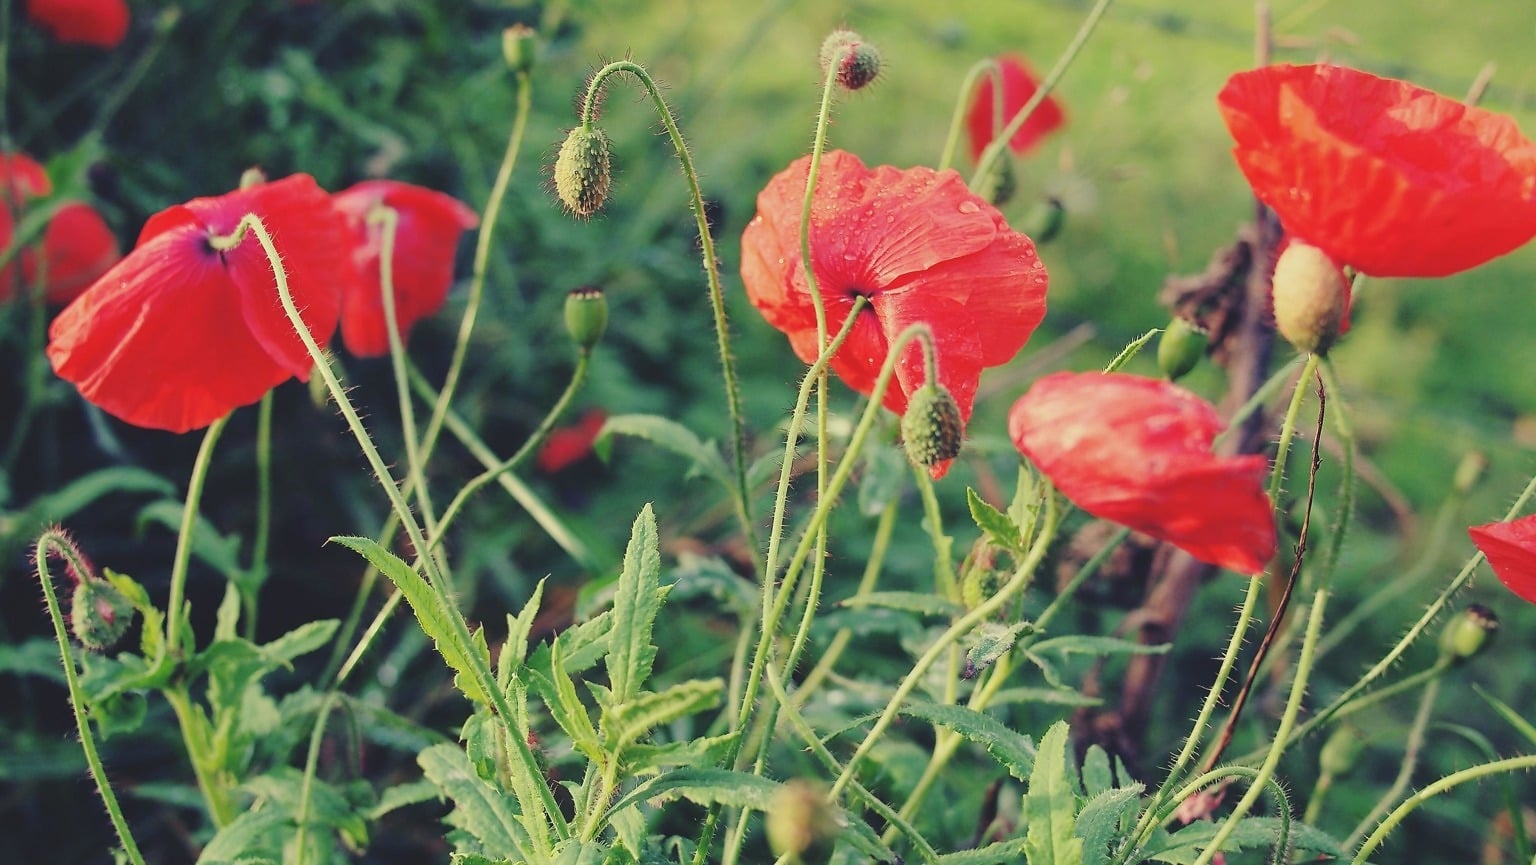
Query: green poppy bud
point(1470, 472)
point(1000, 183)
point(802, 825)
point(583, 170)
point(857, 63)
point(931, 429)
point(99, 614)
point(1311, 298)
point(1467, 634)
point(1181, 347)
point(519, 44)
point(1045, 220)
point(586, 316)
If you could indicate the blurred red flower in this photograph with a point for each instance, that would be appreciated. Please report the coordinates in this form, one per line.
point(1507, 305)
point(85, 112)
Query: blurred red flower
point(177, 334)
point(567, 445)
point(1019, 86)
point(1384, 176)
point(77, 245)
point(1137, 451)
point(426, 239)
point(920, 246)
point(1511, 551)
point(103, 23)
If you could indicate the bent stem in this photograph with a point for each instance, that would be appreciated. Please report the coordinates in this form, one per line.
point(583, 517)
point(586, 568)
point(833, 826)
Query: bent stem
point(55, 542)
point(183, 556)
point(967, 92)
point(1449, 782)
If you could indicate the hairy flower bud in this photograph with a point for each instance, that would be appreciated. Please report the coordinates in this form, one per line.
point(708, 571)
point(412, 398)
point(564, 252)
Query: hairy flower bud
point(519, 45)
point(586, 316)
point(802, 825)
point(932, 429)
point(583, 171)
point(99, 613)
point(1311, 298)
point(856, 62)
point(1467, 634)
point(1181, 347)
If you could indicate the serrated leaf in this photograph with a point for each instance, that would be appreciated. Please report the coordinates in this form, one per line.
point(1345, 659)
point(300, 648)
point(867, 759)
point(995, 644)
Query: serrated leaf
point(1050, 805)
point(635, 606)
point(624, 723)
point(252, 834)
point(475, 859)
point(1084, 644)
point(697, 753)
point(1098, 824)
point(998, 853)
point(329, 808)
point(483, 812)
point(994, 523)
point(668, 435)
point(925, 603)
point(300, 641)
point(430, 614)
point(992, 642)
point(704, 787)
point(401, 795)
point(584, 644)
point(1011, 748)
point(1184, 846)
point(548, 677)
point(514, 650)
point(1098, 777)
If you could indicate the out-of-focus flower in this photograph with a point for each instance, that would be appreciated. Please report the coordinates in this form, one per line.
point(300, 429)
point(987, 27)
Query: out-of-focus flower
point(1385, 177)
point(102, 23)
point(178, 333)
point(567, 445)
point(1511, 551)
point(1019, 86)
point(1137, 451)
point(426, 239)
point(77, 245)
point(915, 243)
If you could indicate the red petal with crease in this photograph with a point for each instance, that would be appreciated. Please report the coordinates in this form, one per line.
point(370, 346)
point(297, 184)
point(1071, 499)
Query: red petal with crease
point(1511, 551)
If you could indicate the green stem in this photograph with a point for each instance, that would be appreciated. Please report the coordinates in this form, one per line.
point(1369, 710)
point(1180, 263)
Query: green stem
point(1449, 782)
point(943, 545)
point(201, 749)
point(55, 542)
point(311, 765)
point(183, 557)
point(963, 104)
point(1413, 747)
point(261, 542)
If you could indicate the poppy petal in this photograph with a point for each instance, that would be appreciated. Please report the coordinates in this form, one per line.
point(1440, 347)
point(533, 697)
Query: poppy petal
point(1511, 551)
point(103, 23)
point(1019, 86)
point(78, 247)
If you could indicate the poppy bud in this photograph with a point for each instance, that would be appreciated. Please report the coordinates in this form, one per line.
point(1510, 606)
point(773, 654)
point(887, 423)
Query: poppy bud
point(1311, 298)
point(932, 429)
point(979, 578)
point(856, 61)
point(1467, 634)
point(1000, 183)
point(1045, 220)
point(586, 316)
point(1341, 751)
point(582, 171)
point(520, 46)
point(252, 176)
point(1181, 347)
point(802, 824)
point(99, 613)
point(1470, 472)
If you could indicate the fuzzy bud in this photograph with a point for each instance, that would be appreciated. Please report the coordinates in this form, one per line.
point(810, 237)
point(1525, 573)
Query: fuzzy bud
point(932, 430)
point(979, 575)
point(583, 171)
point(1470, 472)
point(519, 45)
point(252, 176)
point(1000, 183)
point(1181, 347)
point(802, 824)
point(1311, 298)
point(99, 613)
point(856, 62)
point(1468, 633)
point(586, 316)
point(1341, 751)
point(1045, 220)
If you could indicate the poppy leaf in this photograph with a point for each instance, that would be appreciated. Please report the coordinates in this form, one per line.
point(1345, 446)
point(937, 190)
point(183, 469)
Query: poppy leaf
point(1014, 750)
point(996, 524)
point(635, 606)
point(668, 435)
point(1050, 806)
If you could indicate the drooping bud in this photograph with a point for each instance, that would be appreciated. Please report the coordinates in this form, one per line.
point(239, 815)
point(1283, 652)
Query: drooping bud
point(856, 62)
point(1467, 634)
point(583, 171)
point(1470, 472)
point(99, 614)
point(519, 45)
point(1045, 220)
point(1181, 347)
point(802, 825)
point(1311, 298)
point(932, 430)
point(586, 316)
point(1341, 751)
point(1000, 183)
point(252, 176)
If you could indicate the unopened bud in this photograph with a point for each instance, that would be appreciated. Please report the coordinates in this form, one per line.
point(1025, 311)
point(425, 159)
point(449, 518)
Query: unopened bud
point(519, 44)
point(1470, 472)
point(1467, 634)
point(586, 316)
point(1341, 751)
point(802, 824)
point(931, 429)
point(99, 614)
point(1000, 183)
point(979, 577)
point(1311, 298)
point(1181, 347)
point(252, 176)
point(856, 62)
point(1045, 220)
point(583, 171)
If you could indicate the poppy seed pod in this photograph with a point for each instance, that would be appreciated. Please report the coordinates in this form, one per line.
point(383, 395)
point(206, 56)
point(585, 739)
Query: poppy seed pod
point(520, 47)
point(1311, 298)
point(932, 429)
point(583, 170)
point(1465, 636)
point(586, 316)
point(1181, 347)
point(856, 62)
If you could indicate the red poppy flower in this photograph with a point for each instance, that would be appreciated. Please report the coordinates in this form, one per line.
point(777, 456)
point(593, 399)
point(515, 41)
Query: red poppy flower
point(920, 246)
point(78, 248)
point(1511, 551)
point(1019, 86)
point(86, 22)
point(567, 445)
point(1386, 177)
point(177, 334)
point(1137, 451)
point(426, 238)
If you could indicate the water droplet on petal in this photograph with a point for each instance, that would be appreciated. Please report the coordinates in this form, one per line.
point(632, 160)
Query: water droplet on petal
point(969, 207)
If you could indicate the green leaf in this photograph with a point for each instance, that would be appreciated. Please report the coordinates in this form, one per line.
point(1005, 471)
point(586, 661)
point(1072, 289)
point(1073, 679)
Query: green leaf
point(78, 494)
point(475, 859)
point(696, 753)
point(1083, 644)
point(300, 641)
point(329, 808)
point(1100, 821)
point(998, 853)
point(994, 523)
point(992, 642)
point(1046, 696)
point(697, 576)
point(548, 677)
point(884, 477)
point(430, 612)
point(220, 552)
point(401, 795)
point(1050, 805)
point(480, 810)
point(514, 650)
point(624, 723)
point(38, 656)
point(1184, 846)
point(1098, 777)
point(630, 652)
point(704, 787)
point(1011, 748)
point(925, 603)
point(254, 834)
point(668, 435)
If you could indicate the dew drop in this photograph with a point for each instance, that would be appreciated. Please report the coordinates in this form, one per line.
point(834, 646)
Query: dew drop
point(969, 207)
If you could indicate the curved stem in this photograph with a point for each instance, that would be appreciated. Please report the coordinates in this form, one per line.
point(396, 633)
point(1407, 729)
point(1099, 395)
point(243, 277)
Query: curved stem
point(963, 102)
point(1449, 782)
point(55, 542)
point(183, 557)
point(1411, 751)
